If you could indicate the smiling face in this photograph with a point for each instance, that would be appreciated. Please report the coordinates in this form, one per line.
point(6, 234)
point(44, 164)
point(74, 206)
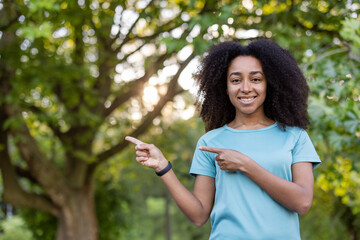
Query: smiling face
point(246, 86)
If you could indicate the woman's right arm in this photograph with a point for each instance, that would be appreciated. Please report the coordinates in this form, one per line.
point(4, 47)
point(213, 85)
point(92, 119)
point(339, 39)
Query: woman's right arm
point(196, 205)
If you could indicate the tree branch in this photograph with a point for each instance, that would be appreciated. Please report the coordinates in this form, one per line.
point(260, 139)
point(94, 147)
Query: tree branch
point(129, 54)
point(173, 89)
point(9, 24)
point(8, 15)
point(24, 173)
point(135, 87)
point(43, 170)
point(103, 83)
point(13, 192)
point(166, 27)
point(128, 38)
point(54, 127)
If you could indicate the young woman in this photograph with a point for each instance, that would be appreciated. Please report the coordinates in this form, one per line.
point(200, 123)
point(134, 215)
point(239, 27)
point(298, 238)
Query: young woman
point(254, 165)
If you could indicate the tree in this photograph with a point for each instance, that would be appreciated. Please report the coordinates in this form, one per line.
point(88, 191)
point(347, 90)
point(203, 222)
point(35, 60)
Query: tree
point(70, 70)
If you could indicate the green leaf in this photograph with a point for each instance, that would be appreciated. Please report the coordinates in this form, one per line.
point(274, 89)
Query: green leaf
point(351, 125)
point(32, 31)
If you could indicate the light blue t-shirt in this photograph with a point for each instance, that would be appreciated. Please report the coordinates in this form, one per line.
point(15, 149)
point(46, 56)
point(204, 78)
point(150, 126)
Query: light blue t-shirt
point(242, 210)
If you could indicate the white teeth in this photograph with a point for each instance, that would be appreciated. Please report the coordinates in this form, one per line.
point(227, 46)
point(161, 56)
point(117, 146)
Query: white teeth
point(247, 99)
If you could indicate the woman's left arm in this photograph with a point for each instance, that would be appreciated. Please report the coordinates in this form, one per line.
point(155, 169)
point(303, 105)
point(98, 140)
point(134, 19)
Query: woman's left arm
point(296, 195)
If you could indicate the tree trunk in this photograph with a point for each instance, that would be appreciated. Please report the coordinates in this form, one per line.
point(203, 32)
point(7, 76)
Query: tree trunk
point(77, 220)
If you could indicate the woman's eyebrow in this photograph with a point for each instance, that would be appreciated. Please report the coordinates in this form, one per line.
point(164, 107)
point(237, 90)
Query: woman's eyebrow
point(256, 72)
point(235, 73)
point(251, 73)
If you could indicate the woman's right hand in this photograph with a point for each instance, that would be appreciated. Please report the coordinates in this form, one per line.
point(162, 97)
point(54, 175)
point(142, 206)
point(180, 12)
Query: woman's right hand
point(196, 206)
point(148, 154)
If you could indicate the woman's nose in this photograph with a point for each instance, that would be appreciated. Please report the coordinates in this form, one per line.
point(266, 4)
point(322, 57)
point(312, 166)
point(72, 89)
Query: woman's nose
point(245, 86)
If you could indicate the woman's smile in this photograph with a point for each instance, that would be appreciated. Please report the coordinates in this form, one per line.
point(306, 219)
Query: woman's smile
point(247, 100)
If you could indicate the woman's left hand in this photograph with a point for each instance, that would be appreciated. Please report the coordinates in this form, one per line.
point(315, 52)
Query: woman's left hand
point(228, 159)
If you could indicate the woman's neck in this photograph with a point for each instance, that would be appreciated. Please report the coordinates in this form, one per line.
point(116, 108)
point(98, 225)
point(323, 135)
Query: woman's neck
point(250, 123)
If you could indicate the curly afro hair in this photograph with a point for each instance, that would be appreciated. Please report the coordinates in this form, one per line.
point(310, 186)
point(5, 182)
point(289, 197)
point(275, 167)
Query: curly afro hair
point(286, 93)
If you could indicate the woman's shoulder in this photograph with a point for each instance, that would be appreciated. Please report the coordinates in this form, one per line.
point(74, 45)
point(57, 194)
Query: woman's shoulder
point(296, 132)
point(212, 133)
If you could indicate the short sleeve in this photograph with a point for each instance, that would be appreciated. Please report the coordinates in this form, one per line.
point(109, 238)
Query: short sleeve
point(304, 150)
point(203, 162)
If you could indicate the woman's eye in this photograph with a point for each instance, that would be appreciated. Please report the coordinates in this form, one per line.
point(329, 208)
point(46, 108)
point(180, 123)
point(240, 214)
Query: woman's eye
point(235, 80)
point(256, 79)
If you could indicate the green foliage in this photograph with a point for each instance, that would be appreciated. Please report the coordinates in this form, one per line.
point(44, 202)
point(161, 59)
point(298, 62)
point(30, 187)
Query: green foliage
point(40, 5)
point(335, 115)
point(173, 45)
point(42, 225)
point(351, 32)
point(14, 228)
point(113, 213)
point(324, 219)
point(32, 31)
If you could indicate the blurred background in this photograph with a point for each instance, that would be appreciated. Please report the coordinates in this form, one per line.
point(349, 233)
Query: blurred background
point(77, 76)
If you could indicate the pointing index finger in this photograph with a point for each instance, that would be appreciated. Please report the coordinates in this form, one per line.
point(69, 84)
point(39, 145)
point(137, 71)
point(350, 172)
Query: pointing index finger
point(210, 149)
point(133, 140)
